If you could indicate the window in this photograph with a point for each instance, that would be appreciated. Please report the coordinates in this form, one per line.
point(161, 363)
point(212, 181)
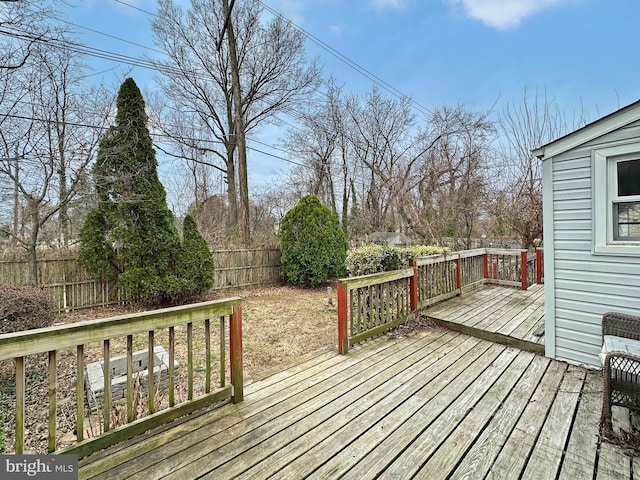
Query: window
point(626, 200)
point(616, 200)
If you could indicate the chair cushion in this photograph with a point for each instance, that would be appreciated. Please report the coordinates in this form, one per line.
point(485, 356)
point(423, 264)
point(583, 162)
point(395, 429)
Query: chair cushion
point(613, 343)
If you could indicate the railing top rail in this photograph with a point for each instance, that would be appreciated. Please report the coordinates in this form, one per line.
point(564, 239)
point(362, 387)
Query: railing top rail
point(505, 251)
point(40, 340)
point(433, 259)
point(375, 278)
point(476, 252)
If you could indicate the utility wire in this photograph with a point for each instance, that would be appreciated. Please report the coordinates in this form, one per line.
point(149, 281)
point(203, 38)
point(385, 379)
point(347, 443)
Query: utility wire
point(350, 63)
point(68, 22)
point(163, 135)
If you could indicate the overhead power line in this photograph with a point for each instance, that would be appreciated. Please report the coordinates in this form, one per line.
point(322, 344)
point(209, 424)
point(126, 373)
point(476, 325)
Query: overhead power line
point(351, 63)
point(163, 135)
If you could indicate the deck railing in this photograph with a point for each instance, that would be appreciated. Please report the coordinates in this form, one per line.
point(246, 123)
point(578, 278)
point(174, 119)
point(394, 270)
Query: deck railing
point(369, 305)
point(48, 358)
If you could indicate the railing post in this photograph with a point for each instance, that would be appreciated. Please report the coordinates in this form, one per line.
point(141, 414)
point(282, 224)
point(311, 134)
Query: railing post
point(235, 353)
point(495, 273)
point(459, 274)
point(343, 331)
point(523, 260)
point(539, 266)
point(413, 288)
point(485, 266)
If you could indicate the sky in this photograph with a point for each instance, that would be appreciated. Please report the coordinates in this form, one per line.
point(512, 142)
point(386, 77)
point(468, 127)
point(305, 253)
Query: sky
point(482, 54)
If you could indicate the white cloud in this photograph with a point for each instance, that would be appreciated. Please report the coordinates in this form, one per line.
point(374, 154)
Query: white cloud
point(504, 14)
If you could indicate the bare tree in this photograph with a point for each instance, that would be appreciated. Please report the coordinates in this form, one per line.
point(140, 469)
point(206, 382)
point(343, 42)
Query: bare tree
point(381, 135)
point(273, 76)
point(46, 149)
point(428, 180)
point(524, 127)
point(446, 194)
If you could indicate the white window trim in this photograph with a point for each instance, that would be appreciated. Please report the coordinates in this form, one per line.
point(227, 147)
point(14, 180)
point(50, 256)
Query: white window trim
point(603, 184)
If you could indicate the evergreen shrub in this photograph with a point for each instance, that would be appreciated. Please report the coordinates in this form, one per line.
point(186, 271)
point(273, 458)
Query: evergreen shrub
point(314, 246)
point(196, 262)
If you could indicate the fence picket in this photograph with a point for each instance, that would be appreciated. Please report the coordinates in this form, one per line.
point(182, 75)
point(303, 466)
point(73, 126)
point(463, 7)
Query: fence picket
point(71, 287)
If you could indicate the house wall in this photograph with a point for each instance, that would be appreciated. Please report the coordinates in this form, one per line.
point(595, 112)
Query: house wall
point(581, 286)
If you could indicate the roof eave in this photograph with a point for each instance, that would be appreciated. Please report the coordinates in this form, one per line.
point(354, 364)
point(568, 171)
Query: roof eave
point(602, 126)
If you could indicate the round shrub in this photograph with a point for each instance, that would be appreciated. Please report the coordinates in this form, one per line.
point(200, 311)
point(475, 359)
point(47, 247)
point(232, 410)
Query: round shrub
point(374, 258)
point(314, 246)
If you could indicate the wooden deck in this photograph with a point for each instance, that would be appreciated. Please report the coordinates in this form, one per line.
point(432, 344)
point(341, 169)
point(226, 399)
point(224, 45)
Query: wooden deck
point(438, 404)
point(499, 314)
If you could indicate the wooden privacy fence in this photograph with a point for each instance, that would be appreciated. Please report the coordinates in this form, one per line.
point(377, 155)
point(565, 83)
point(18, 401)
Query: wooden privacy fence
point(369, 305)
point(55, 360)
point(71, 287)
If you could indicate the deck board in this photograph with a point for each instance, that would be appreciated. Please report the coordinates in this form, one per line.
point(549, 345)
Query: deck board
point(498, 314)
point(579, 454)
point(437, 404)
point(477, 461)
point(547, 454)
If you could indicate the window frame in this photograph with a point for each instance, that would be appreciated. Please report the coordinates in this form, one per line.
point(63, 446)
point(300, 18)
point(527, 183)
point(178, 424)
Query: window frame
point(604, 195)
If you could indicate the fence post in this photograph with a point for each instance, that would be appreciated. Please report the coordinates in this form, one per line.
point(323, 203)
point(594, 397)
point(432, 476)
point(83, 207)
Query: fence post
point(413, 288)
point(235, 352)
point(459, 274)
point(523, 260)
point(539, 266)
point(343, 336)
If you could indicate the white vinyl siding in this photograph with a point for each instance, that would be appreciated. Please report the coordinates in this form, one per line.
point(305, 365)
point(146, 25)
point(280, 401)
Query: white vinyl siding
point(584, 285)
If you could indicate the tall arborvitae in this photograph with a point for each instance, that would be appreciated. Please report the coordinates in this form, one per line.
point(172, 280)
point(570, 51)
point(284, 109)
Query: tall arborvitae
point(131, 236)
point(197, 267)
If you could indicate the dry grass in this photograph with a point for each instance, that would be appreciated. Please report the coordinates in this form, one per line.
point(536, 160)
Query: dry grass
point(281, 325)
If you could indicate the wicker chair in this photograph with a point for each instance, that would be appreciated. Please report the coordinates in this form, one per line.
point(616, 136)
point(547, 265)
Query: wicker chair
point(621, 370)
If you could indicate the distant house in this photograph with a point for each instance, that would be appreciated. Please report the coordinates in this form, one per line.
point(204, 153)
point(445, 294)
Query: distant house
point(393, 239)
point(591, 197)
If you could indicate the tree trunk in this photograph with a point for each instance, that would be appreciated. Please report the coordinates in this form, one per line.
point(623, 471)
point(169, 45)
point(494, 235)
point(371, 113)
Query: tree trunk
point(233, 230)
point(16, 204)
point(239, 129)
point(31, 244)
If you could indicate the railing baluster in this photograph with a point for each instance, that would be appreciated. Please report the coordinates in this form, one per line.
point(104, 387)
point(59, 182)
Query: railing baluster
point(171, 380)
point(151, 387)
point(130, 411)
point(207, 342)
point(235, 354)
point(80, 393)
point(106, 398)
point(190, 361)
point(20, 393)
point(53, 403)
point(223, 353)
point(344, 298)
